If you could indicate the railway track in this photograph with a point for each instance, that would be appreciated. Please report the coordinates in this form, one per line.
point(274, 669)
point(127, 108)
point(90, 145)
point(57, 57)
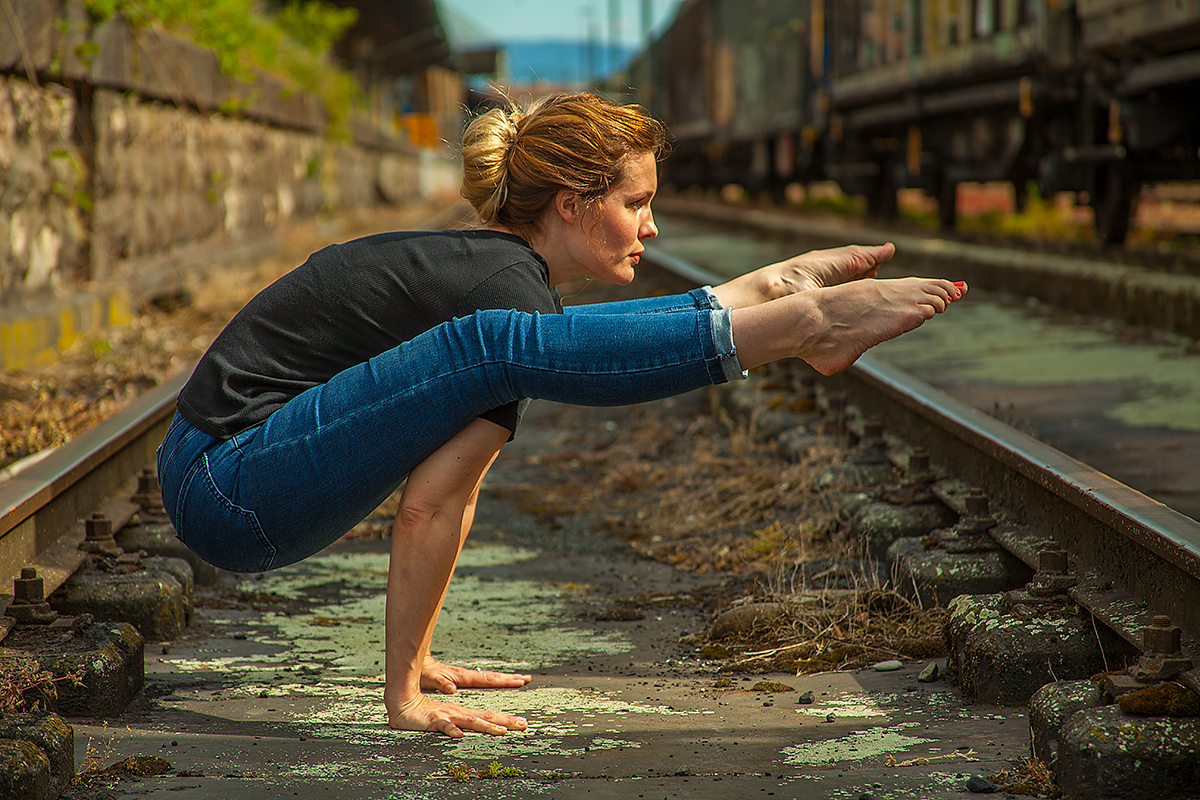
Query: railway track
point(1130, 559)
point(43, 506)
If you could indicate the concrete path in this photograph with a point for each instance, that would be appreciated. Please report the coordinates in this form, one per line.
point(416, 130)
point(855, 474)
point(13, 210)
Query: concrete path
point(277, 692)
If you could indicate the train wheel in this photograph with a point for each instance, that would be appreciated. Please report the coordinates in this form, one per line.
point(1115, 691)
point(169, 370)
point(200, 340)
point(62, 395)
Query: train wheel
point(1113, 204)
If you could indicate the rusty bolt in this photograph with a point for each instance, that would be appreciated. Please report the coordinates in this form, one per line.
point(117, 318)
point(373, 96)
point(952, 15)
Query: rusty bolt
point(918, 460)
point(1162, 659)
point(1052, 561)
point(1053, 575)
point(148, 482)
point(1161, 637)
point(29, 588)
point(149, 492)
point(29, 599)
point(98, 536)
point(977, 503)
point(98, 528)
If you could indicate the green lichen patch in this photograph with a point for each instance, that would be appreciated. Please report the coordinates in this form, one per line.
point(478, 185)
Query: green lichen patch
point(871, 744)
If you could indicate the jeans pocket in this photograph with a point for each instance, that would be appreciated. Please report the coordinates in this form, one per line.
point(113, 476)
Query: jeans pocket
point(179, 435)
point(218, 530)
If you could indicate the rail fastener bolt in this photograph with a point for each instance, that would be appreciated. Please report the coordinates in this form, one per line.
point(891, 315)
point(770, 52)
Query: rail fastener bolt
point(1053, 575)
point(149, 493)
point(1162, 659)
point(969, 534)
point(29, 604)
point(872, 447)
point(98, 536)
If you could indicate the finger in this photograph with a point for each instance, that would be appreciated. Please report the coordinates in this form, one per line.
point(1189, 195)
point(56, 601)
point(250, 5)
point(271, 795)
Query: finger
point(449, 728)
point(507, 721)
point(505, 679)
point(482, 724)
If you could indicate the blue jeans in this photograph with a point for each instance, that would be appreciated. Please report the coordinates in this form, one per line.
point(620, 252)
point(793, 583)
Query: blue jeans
point(285, 489)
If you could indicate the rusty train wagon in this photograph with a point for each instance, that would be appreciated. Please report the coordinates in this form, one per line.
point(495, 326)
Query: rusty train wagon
point(932, 93)
point(1095, 96)
point(739, 84)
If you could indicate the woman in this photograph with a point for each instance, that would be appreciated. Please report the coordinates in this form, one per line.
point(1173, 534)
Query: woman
point(407, 357)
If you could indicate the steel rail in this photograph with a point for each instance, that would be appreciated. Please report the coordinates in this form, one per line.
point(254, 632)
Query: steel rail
point(1133, 556)
point(42, 508)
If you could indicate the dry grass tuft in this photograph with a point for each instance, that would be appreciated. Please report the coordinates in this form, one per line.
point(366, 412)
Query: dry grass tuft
point(1034, 777)
point(838, 629)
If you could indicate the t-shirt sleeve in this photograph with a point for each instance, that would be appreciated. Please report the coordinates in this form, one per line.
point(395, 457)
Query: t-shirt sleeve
point(521, 287)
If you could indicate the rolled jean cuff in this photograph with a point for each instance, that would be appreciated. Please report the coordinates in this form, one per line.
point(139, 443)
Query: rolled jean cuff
point(706, 298)
point(722, 331)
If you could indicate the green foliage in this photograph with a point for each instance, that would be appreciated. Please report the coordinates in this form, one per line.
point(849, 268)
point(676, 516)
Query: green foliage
point(295, 41)
point(315, 24)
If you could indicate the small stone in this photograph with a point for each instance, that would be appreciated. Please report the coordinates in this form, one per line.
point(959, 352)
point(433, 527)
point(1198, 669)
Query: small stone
point(980, 785)
point(829, 717)
point(805, 699)
point(929, 674)
point(887, 666)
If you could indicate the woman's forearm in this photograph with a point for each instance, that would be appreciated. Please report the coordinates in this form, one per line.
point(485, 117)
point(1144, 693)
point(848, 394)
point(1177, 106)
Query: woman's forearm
point(424, 551)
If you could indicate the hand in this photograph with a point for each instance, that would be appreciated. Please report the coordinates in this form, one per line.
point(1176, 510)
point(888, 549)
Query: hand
point(424, 714)
point(447, 679)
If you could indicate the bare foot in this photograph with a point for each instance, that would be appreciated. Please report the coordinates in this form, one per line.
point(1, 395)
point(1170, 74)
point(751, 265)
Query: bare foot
point(854, 317)
point(819, 269)
point(423, 714)
point(447, 679)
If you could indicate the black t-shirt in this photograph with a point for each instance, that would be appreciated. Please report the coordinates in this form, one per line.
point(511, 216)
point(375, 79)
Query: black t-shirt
point(350, 302)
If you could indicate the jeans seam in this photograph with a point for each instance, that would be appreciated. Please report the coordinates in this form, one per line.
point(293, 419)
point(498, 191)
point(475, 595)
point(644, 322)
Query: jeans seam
point(164, 466)
point(250, 516)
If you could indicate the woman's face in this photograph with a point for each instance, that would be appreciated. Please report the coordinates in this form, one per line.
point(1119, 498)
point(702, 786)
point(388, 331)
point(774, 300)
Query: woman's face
point(611, 230)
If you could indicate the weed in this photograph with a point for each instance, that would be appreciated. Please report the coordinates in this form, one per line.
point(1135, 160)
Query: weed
point(99, 751)
point(463, 773)
point(32, 690)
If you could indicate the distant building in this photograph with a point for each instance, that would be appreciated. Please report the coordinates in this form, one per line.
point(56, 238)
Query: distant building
point(413, 75)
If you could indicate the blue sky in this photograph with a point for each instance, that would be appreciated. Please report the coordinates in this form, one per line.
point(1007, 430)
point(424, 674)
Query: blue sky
point(508, 20)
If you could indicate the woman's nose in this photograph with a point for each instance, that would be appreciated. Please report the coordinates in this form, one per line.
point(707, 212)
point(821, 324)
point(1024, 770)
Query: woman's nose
point(649, 229)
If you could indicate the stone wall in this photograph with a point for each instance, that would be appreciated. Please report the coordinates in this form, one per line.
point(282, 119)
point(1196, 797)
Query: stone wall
point(41, 222)
point(113, 155)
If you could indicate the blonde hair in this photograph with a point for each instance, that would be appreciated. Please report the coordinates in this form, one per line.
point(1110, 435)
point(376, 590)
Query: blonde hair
point(516, 160)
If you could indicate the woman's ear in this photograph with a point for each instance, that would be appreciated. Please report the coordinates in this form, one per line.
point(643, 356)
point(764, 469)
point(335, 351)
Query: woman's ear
point(567, 205)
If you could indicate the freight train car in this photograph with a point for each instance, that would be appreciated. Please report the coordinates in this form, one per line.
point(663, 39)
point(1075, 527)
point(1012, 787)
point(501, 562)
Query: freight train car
point(1094, 96)
point(738, 84)
point(932, 93)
